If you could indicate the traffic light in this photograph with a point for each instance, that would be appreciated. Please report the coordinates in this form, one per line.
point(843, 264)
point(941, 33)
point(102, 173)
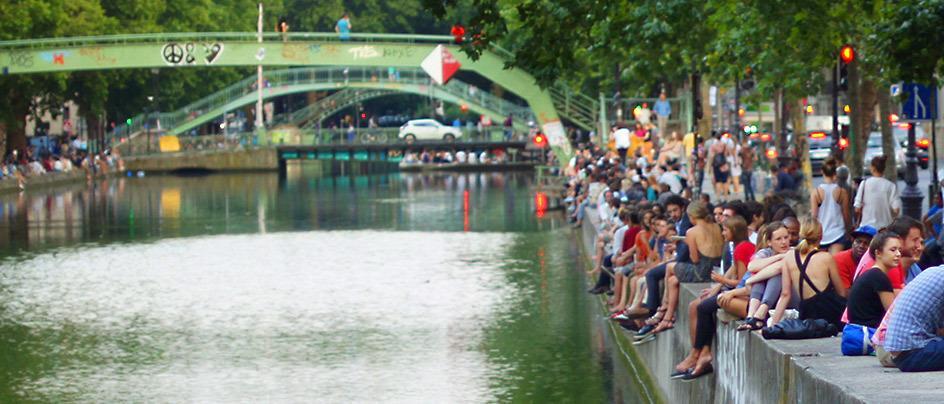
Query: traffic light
point(747, 83)
point(847, 54)
point(846, 57)
point(128, 121)
point(458, 33)
point(539, 140)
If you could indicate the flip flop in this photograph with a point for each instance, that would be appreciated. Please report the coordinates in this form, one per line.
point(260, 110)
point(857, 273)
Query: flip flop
point(678, 374)
point(659, 328)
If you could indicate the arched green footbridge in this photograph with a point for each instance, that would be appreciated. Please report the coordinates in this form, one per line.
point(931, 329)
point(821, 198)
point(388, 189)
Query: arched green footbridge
point(190, 50)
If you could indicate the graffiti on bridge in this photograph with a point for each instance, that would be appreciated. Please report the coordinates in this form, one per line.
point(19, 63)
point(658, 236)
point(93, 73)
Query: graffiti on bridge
point(190, 53)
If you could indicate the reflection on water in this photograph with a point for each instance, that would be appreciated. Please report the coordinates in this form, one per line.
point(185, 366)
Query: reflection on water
point(128, 209)
point(443, 288)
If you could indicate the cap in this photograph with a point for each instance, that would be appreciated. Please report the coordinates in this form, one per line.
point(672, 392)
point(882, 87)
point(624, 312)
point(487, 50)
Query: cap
point(864, 231)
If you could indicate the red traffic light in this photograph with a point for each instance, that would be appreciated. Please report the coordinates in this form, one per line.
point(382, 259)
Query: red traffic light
point(847, 54)
point(539, 140)
point(458, 32)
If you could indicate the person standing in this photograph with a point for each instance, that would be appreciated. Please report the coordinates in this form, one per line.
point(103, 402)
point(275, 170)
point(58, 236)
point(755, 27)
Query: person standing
point(876, 201)
point(747, 168)
point(509, 127)
point(829, 204)
point(343, 27)
point(621, 135)
point(663, 110)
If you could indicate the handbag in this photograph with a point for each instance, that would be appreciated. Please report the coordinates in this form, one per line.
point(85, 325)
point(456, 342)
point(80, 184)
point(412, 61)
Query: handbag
point(800, 329)
point(857, 340)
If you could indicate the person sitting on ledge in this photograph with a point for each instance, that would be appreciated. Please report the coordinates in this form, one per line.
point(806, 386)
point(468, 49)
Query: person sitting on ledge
point(705, 244)
point(702, 312)
point(765, 292)
point(872, 293)
point(847, 260)
point(812, 278)
point(916, 326)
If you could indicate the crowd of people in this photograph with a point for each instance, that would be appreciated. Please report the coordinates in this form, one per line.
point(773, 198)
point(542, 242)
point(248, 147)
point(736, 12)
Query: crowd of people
point(21, 167)
point(852, 260)
point(448, 157)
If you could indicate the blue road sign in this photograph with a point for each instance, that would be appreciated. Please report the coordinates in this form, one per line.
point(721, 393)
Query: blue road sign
point(921, 103)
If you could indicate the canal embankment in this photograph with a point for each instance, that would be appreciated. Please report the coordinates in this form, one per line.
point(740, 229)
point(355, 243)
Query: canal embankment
point(750, 369)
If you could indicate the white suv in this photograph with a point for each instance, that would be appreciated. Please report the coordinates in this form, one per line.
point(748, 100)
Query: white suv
point(427, 129)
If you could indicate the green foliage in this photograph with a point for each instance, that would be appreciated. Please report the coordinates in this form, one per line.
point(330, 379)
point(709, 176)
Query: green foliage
point(911, 37)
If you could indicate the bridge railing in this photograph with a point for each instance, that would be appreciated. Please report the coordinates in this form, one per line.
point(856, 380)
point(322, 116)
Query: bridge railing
point(342, 76)
point(311, 137)
point(228, 36)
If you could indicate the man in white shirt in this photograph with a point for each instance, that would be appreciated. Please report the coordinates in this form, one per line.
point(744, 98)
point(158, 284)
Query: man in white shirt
point(671, 179)
point(877, 201)
point(621, 136)
point(460, 156)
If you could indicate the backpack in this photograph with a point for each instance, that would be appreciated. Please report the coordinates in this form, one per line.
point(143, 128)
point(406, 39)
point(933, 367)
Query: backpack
point(718, 160)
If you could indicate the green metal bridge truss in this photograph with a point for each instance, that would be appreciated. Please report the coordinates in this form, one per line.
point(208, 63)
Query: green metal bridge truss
point(367, 80)
point(188, 50)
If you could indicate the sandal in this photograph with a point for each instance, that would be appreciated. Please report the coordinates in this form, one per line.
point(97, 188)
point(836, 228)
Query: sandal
point(752, 324)
point(745, 325)
point(656, 318)
point(670, 324)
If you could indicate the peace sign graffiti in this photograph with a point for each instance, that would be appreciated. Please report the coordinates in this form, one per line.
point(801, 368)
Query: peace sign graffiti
point(173, 53)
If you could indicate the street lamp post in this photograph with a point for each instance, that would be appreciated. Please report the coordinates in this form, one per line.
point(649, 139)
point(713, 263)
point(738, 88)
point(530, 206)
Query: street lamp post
point(911, 196)
point(147, 119)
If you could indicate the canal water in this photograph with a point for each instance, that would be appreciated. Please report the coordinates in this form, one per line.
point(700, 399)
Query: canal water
point(245, 288)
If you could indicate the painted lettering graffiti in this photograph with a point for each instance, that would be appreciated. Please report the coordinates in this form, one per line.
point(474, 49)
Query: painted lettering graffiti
point(364, 52)
point(398, 52)
point(97, 54)
point(20, 58)
point(296, 52)
point(190, 53)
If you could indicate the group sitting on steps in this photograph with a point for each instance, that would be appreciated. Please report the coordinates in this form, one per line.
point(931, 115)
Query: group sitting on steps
point(852, 265)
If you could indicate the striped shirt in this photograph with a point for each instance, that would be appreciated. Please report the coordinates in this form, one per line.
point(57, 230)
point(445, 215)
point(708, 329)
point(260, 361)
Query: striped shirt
point(918, 314)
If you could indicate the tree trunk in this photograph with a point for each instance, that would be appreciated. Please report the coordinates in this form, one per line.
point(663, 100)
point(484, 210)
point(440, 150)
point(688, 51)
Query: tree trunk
point(705, 123)
point(888, 137)
point(16, 129)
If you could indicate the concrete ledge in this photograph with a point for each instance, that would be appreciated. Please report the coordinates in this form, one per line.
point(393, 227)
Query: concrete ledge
point(750, 369)
point(9, 184)
point(222, 160)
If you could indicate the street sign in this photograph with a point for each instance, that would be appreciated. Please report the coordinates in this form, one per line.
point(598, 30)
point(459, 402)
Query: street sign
point(440, 65)
point(921, 104)
point(894, 90)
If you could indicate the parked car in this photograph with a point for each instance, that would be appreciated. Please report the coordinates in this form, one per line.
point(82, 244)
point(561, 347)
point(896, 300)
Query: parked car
point(427, 129)
point(874, 148)
point(820, 148)
point(921, 141)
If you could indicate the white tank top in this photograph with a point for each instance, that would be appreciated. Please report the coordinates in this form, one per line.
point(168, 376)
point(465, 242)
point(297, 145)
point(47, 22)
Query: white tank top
point(830, 215)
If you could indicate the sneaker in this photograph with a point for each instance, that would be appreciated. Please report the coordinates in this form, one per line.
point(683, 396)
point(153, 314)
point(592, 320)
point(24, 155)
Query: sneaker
point(646, 338)
point(644, 331)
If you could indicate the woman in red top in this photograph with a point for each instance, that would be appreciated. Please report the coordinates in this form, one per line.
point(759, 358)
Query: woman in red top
point(702, 311)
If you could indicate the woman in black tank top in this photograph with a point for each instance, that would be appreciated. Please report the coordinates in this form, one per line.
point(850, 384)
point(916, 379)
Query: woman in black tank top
point(827, 302)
